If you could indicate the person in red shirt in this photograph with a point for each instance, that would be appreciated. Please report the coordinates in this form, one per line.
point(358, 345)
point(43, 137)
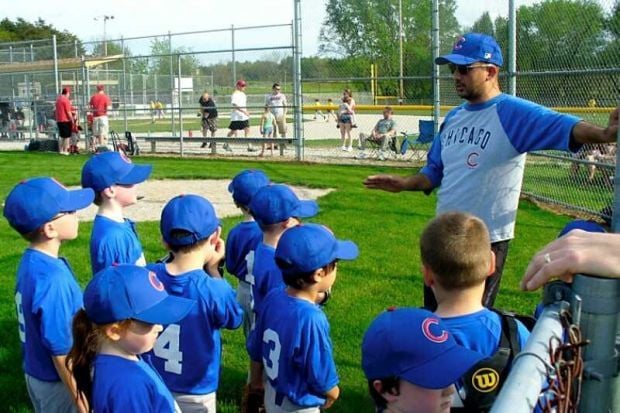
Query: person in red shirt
point(99, 104)
point(64, 120)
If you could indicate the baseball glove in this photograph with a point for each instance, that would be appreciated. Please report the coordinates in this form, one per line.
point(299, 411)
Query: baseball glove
point(252, 400)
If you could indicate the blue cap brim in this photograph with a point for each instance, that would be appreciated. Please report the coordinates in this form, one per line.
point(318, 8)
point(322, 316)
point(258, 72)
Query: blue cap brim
point(169, 310)
point(447, 368)
point(346, 250)
point(455, 59)
point(231, 188)
point(307, 209)
point(139, 173)
point(77, 199)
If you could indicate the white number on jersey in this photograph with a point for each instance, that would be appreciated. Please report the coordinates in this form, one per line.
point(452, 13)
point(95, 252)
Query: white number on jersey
point(167, 348)
point(249, 278)
point(20, 317)
point(273, 364)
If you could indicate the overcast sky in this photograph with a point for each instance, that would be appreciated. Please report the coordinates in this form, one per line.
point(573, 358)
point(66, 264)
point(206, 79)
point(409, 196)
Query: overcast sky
point(140, 18)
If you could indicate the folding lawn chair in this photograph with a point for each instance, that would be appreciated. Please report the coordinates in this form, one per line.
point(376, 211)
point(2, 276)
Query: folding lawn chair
point(421, 144)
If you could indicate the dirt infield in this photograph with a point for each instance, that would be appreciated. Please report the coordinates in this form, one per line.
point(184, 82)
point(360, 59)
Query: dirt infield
point(157, 192)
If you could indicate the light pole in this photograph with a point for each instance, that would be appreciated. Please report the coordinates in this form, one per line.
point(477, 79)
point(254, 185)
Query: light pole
point(105, 19)
point(401, 34)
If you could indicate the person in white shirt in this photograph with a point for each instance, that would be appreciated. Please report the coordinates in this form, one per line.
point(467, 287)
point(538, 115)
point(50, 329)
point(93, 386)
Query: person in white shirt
point(239, 115)
point(277, 104)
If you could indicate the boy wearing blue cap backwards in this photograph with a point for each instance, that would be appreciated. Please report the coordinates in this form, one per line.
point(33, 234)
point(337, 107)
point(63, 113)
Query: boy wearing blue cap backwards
point(275, 208)
point(411, 361)
point(187, 354)
point(47, 294)
point(456, 260)
point(291, 340)
point(124, 309)
point(243, 239)
point(114, 238)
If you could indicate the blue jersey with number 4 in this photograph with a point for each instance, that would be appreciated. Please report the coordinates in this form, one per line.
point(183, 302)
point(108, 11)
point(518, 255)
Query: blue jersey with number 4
point(291, 340)
point(242, 239)
point(123, 385)
point(187, 354)
point(113, 242)
point(47, 296)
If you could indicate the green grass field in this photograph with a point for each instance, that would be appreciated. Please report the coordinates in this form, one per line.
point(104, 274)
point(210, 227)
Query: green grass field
point(385, 226)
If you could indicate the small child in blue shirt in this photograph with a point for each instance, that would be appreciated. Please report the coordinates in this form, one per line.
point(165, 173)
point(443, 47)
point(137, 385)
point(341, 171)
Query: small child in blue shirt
point(290, 344)
point(188, 353)
point(243, 239)
point(47, 295)
point(114, 238)
point(124, 309)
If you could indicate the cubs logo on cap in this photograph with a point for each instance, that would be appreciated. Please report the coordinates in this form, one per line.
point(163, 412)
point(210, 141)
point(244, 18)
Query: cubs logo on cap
point(471, 48)
point(112, 168)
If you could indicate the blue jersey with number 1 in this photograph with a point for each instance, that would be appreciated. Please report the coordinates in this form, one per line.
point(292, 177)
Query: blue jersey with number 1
point(242, 239)
point(266, 275)
point(291, 340)
point(187, 354)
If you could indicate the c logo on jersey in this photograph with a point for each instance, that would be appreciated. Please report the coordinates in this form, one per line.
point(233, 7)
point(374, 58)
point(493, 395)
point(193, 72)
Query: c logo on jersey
point(472, 159)
point(426, 330)
point(155, 281)
point(485, 380)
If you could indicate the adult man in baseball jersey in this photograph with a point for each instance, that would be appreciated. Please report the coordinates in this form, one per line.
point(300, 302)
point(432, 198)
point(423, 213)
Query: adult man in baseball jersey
point(478, 157)
point(99, 104)
point(277, 104)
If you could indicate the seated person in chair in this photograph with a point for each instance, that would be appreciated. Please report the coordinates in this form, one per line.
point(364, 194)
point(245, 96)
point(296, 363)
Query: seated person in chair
point(382, 133)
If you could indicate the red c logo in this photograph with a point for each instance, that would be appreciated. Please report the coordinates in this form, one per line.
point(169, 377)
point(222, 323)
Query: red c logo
point(155, 281)
point(472, 159)
point(426, 330)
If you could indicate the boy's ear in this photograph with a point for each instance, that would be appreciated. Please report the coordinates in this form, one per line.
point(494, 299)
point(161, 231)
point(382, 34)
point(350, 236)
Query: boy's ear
point(108, 192)
point(388, 396)
point(49, 230)
point(318, 274)
point(213, 238)
point(492, 264)
point(428, 276)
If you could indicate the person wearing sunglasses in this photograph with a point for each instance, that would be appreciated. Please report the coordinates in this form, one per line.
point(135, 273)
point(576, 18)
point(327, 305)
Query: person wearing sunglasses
point(477, 159)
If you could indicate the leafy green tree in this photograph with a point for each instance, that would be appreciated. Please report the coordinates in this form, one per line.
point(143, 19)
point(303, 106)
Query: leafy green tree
point(484, 24)
point(164, 59)
point(11, 31)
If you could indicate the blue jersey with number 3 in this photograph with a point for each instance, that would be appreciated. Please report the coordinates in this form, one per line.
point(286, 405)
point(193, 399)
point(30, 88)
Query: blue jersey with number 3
point(123, 385)
point(187, 354)
point(291, 340)
point(47, 296)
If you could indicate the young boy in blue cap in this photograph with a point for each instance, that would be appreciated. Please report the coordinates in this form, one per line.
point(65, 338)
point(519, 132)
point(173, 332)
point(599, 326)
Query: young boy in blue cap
point(114, 239)
point(187, 354)
point(47, 294)
point(411, 362)
point(275, 208)
point(290, 341)
point(243, 239)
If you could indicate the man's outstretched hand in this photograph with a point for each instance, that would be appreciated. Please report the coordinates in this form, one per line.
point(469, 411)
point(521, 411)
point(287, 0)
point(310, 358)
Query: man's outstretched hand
point(390, 183)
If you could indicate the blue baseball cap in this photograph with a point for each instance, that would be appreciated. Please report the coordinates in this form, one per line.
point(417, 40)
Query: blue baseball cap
point(582, 224)
point(191, 213)
point(121, 292)
point(415, 345)
point(276, 203)
point(245, 184)
point(308, 247)
point(33, 202)
point(110, 168)
point(471, 48)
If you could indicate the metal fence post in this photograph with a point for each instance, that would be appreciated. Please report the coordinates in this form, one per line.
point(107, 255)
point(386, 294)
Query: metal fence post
point(599, 317)
point(171, 83)
point(512, 48)
point(125, 86)
point(56, 79)
point(179, 102)
point(297, 98)
point(234, 61)
point(435, 54)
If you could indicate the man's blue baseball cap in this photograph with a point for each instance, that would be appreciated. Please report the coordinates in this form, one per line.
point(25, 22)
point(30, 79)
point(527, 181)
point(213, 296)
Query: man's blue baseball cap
point(276, 203)
point(414, 345)
point(33, 202)
point(122, 292)
point(308, 247)
point(471, 48)
point(245, 184)
point(582, 224)
point(191, 213)
point(111, 168)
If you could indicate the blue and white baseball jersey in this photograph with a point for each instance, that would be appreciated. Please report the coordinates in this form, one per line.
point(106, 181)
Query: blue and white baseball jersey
point(113, 242)
point(477, 160)
point(123, 385)
point(481, 331)
point(291, 340)
point(47, 296)
point(242, 239)
point(266, 274)
point(187, 354)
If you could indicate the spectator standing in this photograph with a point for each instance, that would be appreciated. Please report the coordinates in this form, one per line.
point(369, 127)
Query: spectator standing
point(239, 115)
point(99, 104)
point(277, 104)
point(208, 110)
point(64, 118)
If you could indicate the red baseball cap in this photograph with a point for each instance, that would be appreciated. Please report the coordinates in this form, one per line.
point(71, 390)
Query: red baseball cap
point(99, 87)
point(241, 83)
